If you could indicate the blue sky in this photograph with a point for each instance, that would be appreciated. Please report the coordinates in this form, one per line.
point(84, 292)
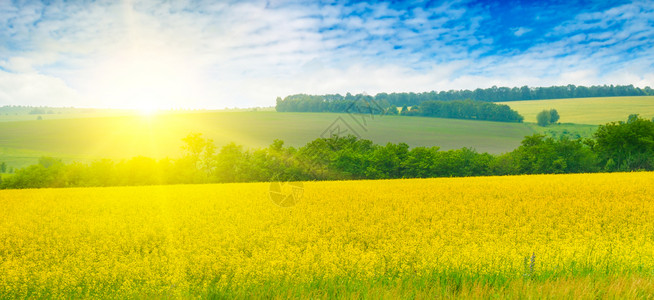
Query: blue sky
point(216, 54)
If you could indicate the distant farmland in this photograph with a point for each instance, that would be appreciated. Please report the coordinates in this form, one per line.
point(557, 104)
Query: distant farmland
point(21, 143)
point(103, 136)
point(587, 110)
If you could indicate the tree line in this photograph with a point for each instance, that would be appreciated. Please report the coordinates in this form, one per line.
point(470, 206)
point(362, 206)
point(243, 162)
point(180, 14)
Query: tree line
point(339, 103)
point(30, 110)
point(617, 146)
point(467, 109)
point(363, 104)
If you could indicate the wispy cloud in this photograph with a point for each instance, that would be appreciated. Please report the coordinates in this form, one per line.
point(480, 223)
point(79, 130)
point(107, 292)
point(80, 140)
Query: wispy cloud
point(245, 53)
point(521, 31)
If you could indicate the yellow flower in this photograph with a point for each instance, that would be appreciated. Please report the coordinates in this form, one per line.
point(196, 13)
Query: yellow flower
point(187, 240)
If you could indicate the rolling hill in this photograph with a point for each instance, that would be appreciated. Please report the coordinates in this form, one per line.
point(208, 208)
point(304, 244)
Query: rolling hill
point(83, 139)
point(88, 137)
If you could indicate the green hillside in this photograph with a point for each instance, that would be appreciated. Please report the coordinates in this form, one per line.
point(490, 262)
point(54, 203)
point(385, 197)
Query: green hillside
point(587, 110)
point(84, 139)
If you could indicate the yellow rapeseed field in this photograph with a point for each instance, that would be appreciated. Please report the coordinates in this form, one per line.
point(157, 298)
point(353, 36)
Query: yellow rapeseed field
point(471, 236)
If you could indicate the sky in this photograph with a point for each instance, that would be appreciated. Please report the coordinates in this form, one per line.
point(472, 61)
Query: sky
point(217, 54)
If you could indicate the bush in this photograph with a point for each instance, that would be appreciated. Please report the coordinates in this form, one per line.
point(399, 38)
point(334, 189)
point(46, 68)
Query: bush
point(543, 118)
point(554, 116)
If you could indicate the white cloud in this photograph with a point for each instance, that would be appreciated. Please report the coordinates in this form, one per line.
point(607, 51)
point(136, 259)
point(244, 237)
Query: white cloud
point(520, 31)
point(36, 89)
point(188, 54)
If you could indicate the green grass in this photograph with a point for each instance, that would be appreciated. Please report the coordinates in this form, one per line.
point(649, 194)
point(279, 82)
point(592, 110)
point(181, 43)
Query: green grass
point(61, 113)
point(455, 285)
point(84, 135)
point(118, 137)
point(17, 157)
point(588, 110)
point(158, 136)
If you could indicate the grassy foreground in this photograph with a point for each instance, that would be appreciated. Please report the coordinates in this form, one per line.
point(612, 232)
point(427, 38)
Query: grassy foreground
point(587, 235)
point(455, 286)
point(594, 111)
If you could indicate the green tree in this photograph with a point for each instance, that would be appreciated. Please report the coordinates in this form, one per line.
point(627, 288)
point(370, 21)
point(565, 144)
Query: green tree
point(544, 155)
point(420, 162)
point(139, 170)
point(230, 163)
point(200, 151)
point(47, 173)
point(3, 167)
point(543, 118)
point(554, 116)
point(392, 110)
point(194, 144)
point(504, 164)
point(625, 146)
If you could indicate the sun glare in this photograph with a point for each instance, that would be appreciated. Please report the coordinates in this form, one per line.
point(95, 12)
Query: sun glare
point(147, 81)
point(147, 111)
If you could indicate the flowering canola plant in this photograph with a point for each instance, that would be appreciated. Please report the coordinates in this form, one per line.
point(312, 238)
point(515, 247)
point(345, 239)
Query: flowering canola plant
point(186, 240)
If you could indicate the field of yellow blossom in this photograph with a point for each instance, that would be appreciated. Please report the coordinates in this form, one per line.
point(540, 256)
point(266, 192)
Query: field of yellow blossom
point(586, 235)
